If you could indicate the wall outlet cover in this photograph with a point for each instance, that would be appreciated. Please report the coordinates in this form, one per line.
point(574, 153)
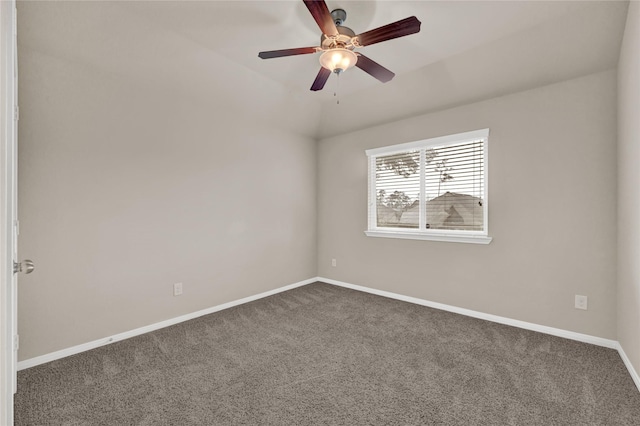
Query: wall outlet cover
point(581, 302)
point(177, 289)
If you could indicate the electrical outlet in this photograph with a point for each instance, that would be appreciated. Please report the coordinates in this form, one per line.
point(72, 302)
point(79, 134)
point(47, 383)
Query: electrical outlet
point(177, 289)
point(581, 302)
point(334, 263)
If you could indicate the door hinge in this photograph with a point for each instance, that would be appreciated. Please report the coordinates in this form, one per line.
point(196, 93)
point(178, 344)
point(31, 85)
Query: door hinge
point(17, 112)
point(16, 342)
point(17, 226)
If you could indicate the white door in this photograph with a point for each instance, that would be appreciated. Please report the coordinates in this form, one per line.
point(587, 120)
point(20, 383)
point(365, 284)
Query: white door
point(8, 210)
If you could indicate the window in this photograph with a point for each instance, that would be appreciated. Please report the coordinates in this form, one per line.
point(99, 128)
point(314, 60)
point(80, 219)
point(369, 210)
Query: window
point(434, 189)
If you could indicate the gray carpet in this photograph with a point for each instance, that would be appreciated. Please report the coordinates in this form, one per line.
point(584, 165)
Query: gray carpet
point(322, 354)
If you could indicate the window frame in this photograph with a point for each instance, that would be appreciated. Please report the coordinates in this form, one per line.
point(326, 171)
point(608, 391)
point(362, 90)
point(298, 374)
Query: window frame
point(459, 236)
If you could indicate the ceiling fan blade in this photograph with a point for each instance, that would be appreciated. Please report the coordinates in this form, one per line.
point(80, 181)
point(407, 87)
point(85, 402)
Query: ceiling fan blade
point(374, 69)
point(397, 29)
point(286, 52)
point(321, 79)
point(321, 14)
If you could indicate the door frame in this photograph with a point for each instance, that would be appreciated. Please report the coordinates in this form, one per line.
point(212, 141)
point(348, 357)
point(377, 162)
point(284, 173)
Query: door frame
point(8, 208)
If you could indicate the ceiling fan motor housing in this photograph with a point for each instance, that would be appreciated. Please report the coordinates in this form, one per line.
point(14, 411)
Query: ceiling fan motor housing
point(344, 39)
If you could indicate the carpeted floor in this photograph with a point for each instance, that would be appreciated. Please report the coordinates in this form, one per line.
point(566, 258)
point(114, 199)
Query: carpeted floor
point(321, 354)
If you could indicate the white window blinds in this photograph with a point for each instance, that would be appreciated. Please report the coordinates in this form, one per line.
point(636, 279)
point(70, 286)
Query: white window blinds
point(454, 187)
point(432, 186)
point(398, 190)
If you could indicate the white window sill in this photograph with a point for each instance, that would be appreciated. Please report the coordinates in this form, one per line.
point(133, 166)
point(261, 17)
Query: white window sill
point(450, 238)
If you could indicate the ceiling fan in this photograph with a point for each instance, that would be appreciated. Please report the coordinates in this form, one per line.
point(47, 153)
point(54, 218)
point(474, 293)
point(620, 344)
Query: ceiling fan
point(338, 42)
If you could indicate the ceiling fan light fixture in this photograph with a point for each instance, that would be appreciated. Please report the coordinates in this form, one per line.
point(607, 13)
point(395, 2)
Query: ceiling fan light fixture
point(338, 60)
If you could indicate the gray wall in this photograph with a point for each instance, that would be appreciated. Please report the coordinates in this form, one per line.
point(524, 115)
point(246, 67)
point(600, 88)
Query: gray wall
point(628, 193)
point(127, 189)
point(552, 210)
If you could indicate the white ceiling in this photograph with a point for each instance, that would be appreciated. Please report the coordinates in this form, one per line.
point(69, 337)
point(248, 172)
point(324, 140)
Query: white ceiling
point(466, 51)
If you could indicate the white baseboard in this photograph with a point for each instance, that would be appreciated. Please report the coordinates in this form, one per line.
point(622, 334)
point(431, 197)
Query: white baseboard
point(599, 341)
point(32, 362)
point(627, 363)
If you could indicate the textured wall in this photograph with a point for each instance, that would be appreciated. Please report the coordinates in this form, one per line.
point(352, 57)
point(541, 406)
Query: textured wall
point(125, 191)
point(628, 193)
point(552, 210)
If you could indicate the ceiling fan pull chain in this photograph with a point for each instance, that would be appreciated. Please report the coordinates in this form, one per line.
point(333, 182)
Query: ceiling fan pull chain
point(337, 89)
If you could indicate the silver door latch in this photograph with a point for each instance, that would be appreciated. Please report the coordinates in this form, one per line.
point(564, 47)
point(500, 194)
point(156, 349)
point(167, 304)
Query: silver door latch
point(25, 266)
